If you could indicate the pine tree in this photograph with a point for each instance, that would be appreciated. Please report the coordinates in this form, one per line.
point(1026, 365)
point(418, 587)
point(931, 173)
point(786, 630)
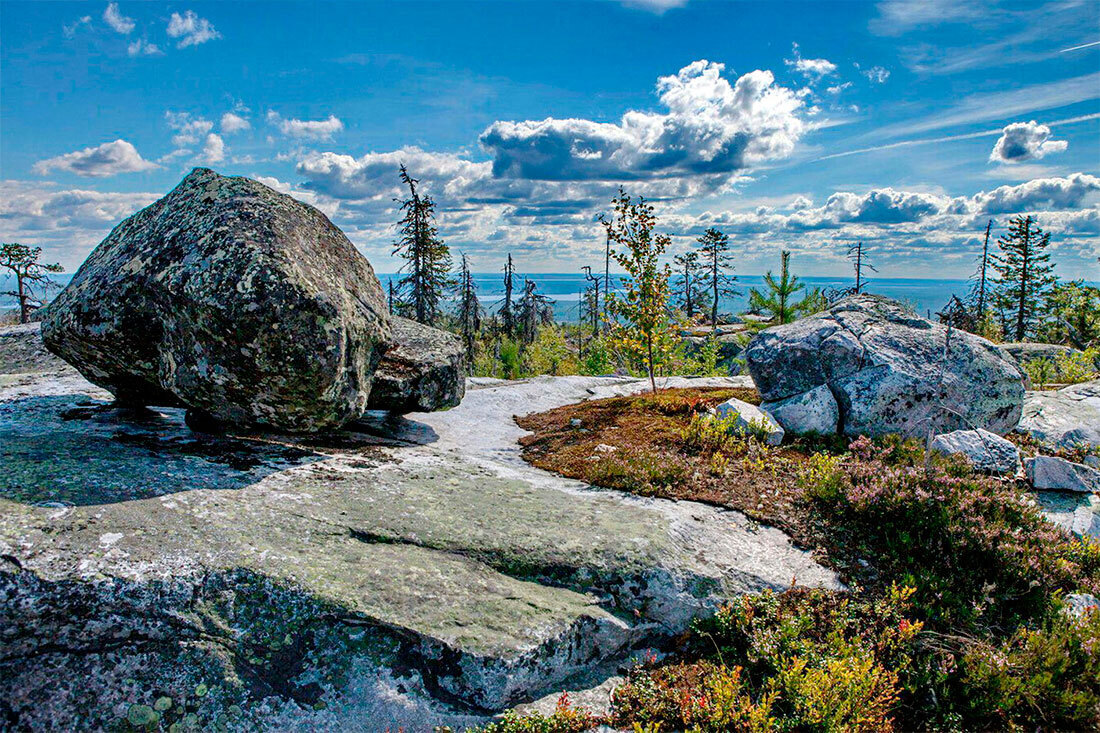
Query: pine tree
point(638, 317)
point(715, 262)
point(1024, 275)
point(532, 310)
point(32, 278)
point(469, 311)
point(427, 268)
point(779, 300)
point(590, 304)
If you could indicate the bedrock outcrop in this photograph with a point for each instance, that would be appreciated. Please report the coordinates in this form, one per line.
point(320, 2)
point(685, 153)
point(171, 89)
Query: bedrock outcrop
point(411, 572)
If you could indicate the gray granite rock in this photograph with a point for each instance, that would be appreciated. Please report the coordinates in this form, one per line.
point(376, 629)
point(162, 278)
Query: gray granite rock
point(1051, 472)
point(986, 451)
point(749, 420)
point(412, 573)
point(890, 370)
point(1025, 351)
point(1066, 418)
point(424, 369)
point(230, 298)
point(815, 411)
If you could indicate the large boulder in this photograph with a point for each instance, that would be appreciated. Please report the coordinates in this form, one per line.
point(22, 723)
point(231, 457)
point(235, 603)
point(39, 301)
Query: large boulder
point(423, 370)
point(1064, 419)
point(230, 298)
point(890, 370)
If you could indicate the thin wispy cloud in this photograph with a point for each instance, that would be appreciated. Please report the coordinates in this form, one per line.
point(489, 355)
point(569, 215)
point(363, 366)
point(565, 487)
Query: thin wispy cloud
point(950, 138)
point(1078, 48)
point(1004, 105)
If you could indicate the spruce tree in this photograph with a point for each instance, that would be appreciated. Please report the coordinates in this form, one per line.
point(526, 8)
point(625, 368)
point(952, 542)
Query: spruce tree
point(427, 269)
point(715, 263)
point(858, 257)
point(507, 311)
point(979, 291)
point(1024, 275)
point(469, 311)
point(779, 300)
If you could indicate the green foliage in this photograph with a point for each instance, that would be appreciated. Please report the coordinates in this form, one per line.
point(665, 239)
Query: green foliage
point(596, 359)
point(549, 353)
point(778, 301)
point(708, 433)
point(1024, 275)
point(1072, 315)
point(426, 274)
point(637, 472)
point(32, 278)
point(564, 719)
point(1071, 368)
point(715, 263)
point(639, 321)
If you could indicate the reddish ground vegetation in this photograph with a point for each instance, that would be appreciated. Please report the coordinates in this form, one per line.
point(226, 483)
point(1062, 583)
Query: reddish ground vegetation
point(643, 444)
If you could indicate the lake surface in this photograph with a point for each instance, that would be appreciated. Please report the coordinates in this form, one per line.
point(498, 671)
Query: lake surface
point(926, 296)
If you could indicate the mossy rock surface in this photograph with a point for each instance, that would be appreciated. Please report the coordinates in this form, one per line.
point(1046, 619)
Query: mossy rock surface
point(414, 570)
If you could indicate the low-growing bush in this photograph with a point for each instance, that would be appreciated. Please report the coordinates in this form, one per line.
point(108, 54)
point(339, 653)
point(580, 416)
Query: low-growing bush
point(639, 473)
point(564, 719)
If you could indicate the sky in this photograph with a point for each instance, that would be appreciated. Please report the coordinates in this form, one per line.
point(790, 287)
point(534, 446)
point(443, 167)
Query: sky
point(904, 124)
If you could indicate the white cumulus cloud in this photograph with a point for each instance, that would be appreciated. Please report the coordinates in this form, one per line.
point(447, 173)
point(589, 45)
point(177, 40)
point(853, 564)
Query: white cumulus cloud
point(189, 130)
point(118, 22)
point(69, 31)
point(213, 149)
point(191, 29)
point(812, 69)
point(1023, 141)
point(103, 160)
point(711, 126)
point(233, 122)
point(307, 129)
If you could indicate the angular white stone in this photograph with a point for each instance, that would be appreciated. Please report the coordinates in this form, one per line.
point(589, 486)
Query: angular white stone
point(814, 411)
point(1049, 472)
point(1065, 418)
point(751, 418)
point(988, 452)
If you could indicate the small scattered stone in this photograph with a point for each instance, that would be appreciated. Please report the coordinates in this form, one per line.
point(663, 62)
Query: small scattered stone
point(1051, 472)
point(986, 451)
point(750, 420)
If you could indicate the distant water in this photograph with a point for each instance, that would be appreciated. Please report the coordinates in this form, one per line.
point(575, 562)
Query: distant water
point(926, 296)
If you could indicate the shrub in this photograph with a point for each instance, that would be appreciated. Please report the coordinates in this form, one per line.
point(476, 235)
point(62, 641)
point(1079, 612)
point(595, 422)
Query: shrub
point(640, 473)
point(564, 719)
point(549, 354)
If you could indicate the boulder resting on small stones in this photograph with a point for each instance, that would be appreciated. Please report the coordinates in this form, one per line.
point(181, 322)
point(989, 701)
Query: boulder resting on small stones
point(423, 370)
point(1051, 472)
point(815, 411)
point(229, 298)
point(890, 370)
point(750, 419)
point(986, 451)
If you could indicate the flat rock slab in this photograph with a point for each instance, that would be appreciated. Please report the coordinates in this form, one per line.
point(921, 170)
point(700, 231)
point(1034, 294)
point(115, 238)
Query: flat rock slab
point(412, 570)
point(1064, 418)
point(1074, 512)
point(1051, 472)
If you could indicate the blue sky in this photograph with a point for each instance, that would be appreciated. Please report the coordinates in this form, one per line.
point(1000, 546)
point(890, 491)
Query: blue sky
point(906, 124)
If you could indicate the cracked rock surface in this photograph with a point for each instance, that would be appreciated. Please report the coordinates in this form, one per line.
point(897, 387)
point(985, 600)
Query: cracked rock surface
point(890, 370)
point(404, 571)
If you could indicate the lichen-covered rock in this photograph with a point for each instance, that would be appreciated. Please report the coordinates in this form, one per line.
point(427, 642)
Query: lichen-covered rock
point(1067, 418)
point(889, 370)
point(751, 420)
point(815, 411)
point(423, 370)
point(1051, 472)
point(986, 451)
point(1025, 351)
point(229, 298)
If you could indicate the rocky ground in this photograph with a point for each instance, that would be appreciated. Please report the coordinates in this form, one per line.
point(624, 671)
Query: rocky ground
point(408, 571)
